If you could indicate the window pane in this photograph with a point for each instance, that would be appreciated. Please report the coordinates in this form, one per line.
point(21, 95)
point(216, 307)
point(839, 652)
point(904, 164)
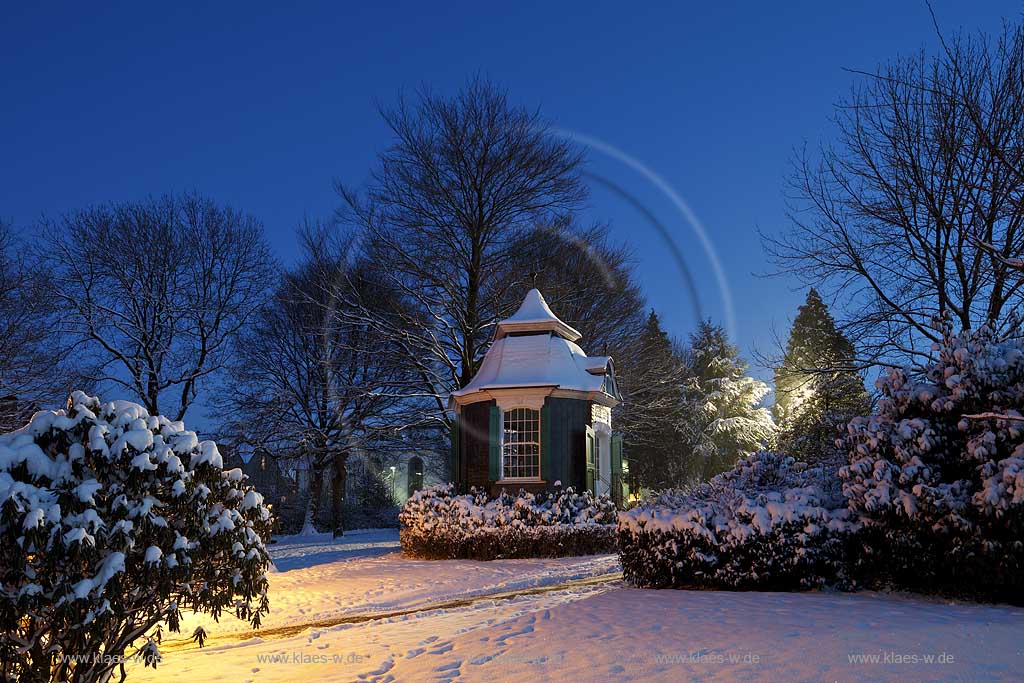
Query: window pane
point(521, 450)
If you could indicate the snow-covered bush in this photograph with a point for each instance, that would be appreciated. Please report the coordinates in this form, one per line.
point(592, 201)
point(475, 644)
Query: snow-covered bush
point(769, 523)
point(930, 500)
point(112, 521)
point(438, 523)
point(937, 476)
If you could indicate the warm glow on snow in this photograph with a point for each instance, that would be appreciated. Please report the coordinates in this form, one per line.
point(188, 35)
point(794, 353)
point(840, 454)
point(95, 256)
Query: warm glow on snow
point(562, 619)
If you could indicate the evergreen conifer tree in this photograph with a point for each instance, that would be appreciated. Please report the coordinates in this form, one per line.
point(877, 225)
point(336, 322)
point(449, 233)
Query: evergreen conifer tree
point(723, 419)
point(816, 387)
point(651, 378)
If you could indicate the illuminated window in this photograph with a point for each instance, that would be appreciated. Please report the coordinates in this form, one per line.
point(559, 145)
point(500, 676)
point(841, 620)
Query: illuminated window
point(521, 445)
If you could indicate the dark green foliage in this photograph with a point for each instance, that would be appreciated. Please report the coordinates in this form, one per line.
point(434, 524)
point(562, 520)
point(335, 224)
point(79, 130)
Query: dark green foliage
point(652, 413)
point(371, 491)
point(816, 388)
point(769, 562)
point(512, 542)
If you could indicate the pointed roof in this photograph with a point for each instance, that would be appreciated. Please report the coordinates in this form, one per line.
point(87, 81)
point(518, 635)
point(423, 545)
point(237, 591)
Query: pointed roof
point(540, 360)
point(534, 315)
point(533, 348)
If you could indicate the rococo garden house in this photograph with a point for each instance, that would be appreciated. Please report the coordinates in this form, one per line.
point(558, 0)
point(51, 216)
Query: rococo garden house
point(537, 415)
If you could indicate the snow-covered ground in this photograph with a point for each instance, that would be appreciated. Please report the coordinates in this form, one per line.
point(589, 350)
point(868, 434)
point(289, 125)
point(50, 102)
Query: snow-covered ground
point(357, 610)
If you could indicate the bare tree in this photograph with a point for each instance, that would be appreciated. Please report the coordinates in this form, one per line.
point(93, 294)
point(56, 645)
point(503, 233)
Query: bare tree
point(155, 291)
point(465, 179)
point(894, 217)
point(32, 353)
point(586, 278)
point(1003, 57)
point(307, 382)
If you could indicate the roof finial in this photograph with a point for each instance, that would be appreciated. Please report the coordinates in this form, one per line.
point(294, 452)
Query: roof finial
point(534, 315)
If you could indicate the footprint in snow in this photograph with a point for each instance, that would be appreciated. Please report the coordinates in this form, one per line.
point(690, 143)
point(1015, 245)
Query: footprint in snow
point(450, 665)
point(450, 672)
point(385, 667)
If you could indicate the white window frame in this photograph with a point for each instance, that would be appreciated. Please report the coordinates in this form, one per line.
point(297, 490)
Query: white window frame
point(504, 413)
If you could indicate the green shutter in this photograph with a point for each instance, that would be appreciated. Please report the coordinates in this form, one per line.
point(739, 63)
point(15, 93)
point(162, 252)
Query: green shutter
point(456, 469)
point(545, 444)
point(617, 480)
point(591, 460)
point(494, 437)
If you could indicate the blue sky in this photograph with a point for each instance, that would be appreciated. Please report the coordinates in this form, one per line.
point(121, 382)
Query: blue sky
point(263, 106)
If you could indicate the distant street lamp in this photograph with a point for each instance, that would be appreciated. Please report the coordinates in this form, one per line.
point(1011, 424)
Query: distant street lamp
point(394, 472)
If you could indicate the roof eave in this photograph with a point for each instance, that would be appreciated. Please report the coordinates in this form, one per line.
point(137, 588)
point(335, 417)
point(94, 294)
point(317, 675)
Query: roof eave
point(563, 330)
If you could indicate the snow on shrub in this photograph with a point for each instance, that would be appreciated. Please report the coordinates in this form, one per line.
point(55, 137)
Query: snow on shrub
point(930, 500)
point(769, 523)
point(937, 476)
point(112, 521)
point(438, 523)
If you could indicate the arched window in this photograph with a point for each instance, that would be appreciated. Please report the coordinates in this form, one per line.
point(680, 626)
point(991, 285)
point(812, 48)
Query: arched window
point(521, 445)
point(415, 475)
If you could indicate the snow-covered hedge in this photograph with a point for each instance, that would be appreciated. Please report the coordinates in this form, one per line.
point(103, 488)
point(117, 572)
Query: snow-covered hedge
point(769, 523)
point(112, 521)
point(930, 500)
point(937, 475)
point(438, 523)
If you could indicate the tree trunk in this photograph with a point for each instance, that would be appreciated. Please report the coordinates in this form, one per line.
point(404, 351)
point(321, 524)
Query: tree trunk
point(316, 487)
point(338, 494)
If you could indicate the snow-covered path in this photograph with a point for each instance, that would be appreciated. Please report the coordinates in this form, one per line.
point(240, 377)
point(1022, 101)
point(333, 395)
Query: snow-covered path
point(319, 580)
point(604, 631)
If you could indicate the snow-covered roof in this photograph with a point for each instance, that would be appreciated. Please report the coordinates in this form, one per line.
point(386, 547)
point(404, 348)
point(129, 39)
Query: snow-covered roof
point(534, 315)
point(532, 349)
point(536, 360)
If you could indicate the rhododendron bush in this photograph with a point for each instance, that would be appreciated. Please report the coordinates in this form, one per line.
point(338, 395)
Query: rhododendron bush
point(937, 475)
point(113, 521)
